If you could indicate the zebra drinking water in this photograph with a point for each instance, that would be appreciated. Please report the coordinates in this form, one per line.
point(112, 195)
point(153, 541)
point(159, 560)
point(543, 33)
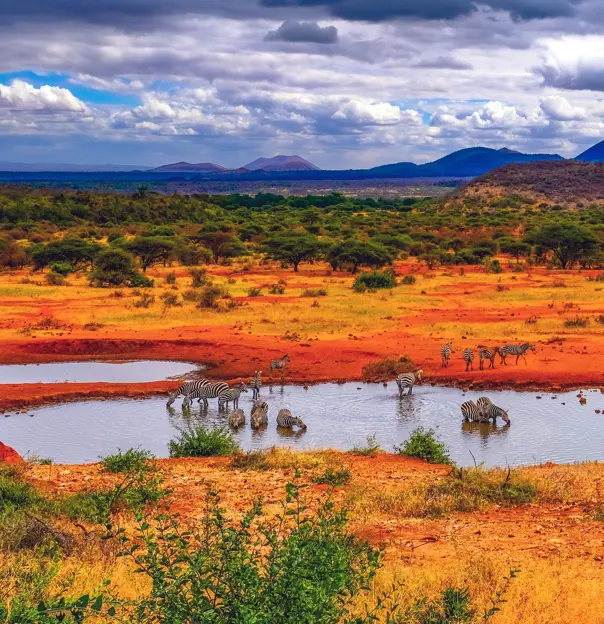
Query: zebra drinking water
point(516, 350)
point(237, 419)
point(209, 391)
point(286, 420)
point(473, 413)
point(231, 396)
point(445, 353)
point(488, 354)
point(280, 364)
point(186, 389)
point(259, 416)
point(491, 411)
point(256, 384)
point(468, 358)
point(408, 380)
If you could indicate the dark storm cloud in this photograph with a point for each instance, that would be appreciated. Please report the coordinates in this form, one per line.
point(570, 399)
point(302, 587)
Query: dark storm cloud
point(303, 32)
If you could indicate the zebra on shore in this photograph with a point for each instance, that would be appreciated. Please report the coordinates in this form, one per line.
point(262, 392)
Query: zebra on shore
point(491, 411)
point(488, 354)
point(473, 413)
point(280, 364)
point(186, 389)
point(209, 391)
point(286, 420)
point(445, 353)
point(517, 350)
point(408, 380)
point(259, 416)
point(237, 419)
point(231, 396)
point(468, 358)
point(256, 384)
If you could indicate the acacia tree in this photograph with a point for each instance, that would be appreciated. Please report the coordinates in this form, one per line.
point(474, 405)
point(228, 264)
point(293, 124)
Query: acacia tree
point(516, 248)
point(353, 253)
point(221, 244)
point(151, 249)
point(114, 267)
point(568, 242)
point(76, 252)
point(293, 248)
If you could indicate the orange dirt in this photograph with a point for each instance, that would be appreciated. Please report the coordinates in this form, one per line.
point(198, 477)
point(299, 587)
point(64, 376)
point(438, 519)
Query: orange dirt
point(8, 455)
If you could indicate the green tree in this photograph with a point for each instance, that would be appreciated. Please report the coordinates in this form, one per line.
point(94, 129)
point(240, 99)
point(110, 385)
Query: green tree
point(354, 254)
point(75, 251)
point(568, 242)
point(114, 267)
point(516, 248)
point(293, 248)
point(151, 249)
point(222, 244)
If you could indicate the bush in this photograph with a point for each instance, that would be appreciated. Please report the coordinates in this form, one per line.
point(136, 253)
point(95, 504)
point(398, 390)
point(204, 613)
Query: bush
point(387, 369)
point(171, 300)
point(115, 267)
point(277, 289)
point(54, 279)
point(374, 280)
point(452, 607)
point(370, 449)
point(424, 445)
point(577, 322)
point(132, 460)
point(199, 278)
point(146, 301)
point(314, 292)
point(409, 280)
point(210, 295)
point(199, 441)
point(62, 268)
point(334, 477)
point(254, 292)
point(171, 279)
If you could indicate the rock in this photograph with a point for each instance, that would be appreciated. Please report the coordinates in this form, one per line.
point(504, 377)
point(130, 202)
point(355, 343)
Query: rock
point(8, 455)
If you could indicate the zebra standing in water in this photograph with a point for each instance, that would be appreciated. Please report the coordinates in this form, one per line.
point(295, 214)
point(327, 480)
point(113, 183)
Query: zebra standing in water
point(488, 354)
point(209, 391)
point(256, 384)
point(186, 389)
point(279, 364)
point(445, 353)
point(516, 350)
point(285, 420)
point(231, 396)
point(490, 410)
point(237, 419)
point(408, 380)
point(468, 358)
point(473, 413)
point(259, 416)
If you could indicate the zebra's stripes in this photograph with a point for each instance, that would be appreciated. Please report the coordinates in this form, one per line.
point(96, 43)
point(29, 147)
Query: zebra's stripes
point(237, 419)
point(468, 358)
point(209, 391)
point(279, 364)
point(483, 411)
point(483, 403)
point(231, 396)
point(408, 380)
point(286, 420)
point(517, 350)
point(186, 389)
point(494, 412)
point(259, 416)
point(488, 354)
point(256, 384)
point(445, 353)
point(472, 413)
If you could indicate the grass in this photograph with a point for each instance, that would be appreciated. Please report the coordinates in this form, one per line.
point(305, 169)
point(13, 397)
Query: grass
point(278, 458)
point(200, 441)
point(370, 449)
point(423, 445)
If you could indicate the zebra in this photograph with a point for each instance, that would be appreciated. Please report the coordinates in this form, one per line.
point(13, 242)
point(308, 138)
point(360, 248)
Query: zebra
point(518, 351)
point(237, 419)
point(468, 358)
point(490, 410)
point(473, 413)
point(259, 416)
point(209, 391)
point(483, 403)
point(280, 364)
point(231, 396)
point(445, 353)
point(256, 384)
point(488, 354)
point(186, 389)
point(285, 420)
point(408, 380)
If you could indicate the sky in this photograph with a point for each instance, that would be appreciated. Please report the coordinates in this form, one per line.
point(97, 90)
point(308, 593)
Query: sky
point(343, 83)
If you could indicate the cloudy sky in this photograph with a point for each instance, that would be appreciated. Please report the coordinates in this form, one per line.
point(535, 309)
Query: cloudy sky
point(344, 83)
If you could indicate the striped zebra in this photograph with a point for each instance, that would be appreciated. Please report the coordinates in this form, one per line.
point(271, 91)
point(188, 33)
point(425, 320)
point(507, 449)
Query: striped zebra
point(445, 353)
point(491, 411)
point(468, 358)
point(408, 380)
point(285, 420)
point(473, 413)
point(483, 403)
point(516, 350)
point(237, 419)
point(259, 416)
point(231, 396)
point(488, 354)
point(186, 389)
point(256, 384)
point(209, 391)
point(280, 364)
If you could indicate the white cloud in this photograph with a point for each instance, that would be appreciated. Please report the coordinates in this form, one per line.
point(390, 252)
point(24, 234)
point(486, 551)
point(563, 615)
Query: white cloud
point(558, 108)
point(21, 95)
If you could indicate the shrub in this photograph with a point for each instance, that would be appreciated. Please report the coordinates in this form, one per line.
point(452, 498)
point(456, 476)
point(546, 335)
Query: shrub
point(251, 460)
point(577, 322)
point(54, 279)
point(374, 280)
point(387, 369)
point(334, 477)
point(15, 494)
point(132, 460)
point(199, 278)
point(146, 301)
point(199, 441)
point(277, 289)
point(171, 279)
point(600, 319)
point(210, 295)
point(314, 292)
point(409, 280)
point(62, 268)
point(115, 267)
point(171, 300)
point(370, 449)
point(254, 292)
point(424, 445)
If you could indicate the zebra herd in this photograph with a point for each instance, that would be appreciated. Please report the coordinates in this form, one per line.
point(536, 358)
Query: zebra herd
point(486, 353)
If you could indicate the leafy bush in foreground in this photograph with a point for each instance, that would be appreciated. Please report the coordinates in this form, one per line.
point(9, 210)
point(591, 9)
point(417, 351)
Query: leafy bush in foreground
point(424, 445)
point(201, 442)
point(132, 460)
point(374, 280)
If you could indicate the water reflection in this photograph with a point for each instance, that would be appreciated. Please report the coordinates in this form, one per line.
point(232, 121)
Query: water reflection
point(484, 429)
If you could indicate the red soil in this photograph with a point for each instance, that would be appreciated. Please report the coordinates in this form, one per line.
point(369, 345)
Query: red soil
point(8, 455)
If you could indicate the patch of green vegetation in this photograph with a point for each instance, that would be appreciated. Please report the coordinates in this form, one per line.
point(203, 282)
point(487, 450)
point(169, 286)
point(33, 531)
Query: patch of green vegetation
point(424, 445)
point(200, 441)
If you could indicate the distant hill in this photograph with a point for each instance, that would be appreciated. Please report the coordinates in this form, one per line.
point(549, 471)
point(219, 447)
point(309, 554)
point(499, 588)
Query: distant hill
point(567, 182)
point(68, 167)
point(281, 163)
point(593, 154)
point(185, 167)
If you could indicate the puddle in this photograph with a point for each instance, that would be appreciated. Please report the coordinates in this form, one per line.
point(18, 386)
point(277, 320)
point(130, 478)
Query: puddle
point(89, 372)
point(338, 416)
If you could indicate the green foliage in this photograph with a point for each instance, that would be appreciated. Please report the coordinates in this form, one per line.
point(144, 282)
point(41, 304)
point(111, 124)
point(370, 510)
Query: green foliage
point(333, 476)
point(578, 321)
point(568, 242)
point(199, 278)
point(370, 449)
point(254, 292)
point(151, 250)
point(132, 460)
point(293, 248)
point(146, 300)
point(409, 280)
point(76, 252)
point(199, 441)
point(62, 268)
point(354, 253)
point(452, 607)
point(374, 281)
point(15, 494)
point(209, 296)
point(314, 292)
point(115, 267)
point(424, 445)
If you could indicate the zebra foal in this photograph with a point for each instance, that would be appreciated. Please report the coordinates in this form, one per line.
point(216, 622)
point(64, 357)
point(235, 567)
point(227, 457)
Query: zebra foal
point(286, 420)
point(280, 364)
point(408, 380)
point(488, 354)
point(186, 389)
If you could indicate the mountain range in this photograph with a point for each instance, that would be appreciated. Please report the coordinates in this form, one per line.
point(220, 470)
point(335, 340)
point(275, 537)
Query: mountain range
point(465, 163)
